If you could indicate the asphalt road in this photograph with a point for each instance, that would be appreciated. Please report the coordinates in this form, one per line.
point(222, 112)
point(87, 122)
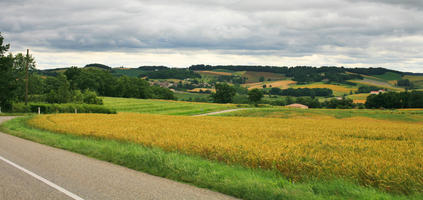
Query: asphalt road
point(30, 170)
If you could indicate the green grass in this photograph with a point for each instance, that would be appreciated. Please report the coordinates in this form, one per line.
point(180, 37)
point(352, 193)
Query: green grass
point(281, 112)
point(389, 76)
point(229, 179)
point(13, 114)
point(376, 82)
point(185, 96)
point(162, 106)
point(418, 84)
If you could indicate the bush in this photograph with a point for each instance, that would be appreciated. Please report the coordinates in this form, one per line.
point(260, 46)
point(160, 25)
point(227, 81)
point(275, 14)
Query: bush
point(90, 97)
point(240, 99)
point(46, 108)
point(278, 102)
point(20, 108)
point(339, 103)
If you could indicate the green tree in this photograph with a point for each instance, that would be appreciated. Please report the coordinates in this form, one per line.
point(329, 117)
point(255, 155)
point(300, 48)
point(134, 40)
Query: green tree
point(255, 96)
point(224, 93)
point(72, 74)
point(8, 76)
point(90, 97)
point(60, 92)
point(19, 64)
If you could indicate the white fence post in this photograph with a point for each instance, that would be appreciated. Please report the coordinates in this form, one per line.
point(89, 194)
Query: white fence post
point(39, 110)
point(76, 111)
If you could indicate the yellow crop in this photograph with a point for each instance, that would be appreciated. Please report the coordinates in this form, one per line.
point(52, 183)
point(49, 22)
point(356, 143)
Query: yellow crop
point(276, 84)
point(202, 89)
point(383, 154)
point(336, 88)
point(215, 73)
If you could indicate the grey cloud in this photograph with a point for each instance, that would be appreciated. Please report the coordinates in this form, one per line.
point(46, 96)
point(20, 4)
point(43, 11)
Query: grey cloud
point(362, 30)
point(415, 4)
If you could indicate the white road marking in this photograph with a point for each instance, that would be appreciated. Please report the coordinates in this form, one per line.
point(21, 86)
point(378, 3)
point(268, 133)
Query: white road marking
point(70, 194)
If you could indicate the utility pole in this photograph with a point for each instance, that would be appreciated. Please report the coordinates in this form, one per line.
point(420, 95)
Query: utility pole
point(26, 82)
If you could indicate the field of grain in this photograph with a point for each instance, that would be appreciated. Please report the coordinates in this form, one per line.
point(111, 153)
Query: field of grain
point(202, 89)
point(276, 84)
point(338, 89)
point(162, 106)
point(359, 98)
point(253, 77)
point(372, 152)
point(214, 73)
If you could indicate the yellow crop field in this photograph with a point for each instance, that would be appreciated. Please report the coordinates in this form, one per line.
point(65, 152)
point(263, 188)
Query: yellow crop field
point(202, 89)
point(363, 101)
point(378, 153)
point(335, 88)
point(276, 84)
point(214, 73)
point(359, 98)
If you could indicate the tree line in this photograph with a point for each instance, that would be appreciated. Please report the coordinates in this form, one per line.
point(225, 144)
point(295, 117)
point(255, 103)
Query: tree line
point(301, 92)
point(396, 100)
point(301, 74)
point(74, 85)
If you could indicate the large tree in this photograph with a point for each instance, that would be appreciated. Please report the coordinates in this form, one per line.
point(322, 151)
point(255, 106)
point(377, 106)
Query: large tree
point(224, 93)
point(255, 96)
point(20, 62)
point(8, 83)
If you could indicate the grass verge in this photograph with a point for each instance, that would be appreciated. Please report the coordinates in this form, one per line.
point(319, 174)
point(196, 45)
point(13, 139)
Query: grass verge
point(232, 180)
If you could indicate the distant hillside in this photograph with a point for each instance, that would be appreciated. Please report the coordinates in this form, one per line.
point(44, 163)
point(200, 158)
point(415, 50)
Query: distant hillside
point(99, 66)
point(51, 72)
point(238, 74)
point(153, 68)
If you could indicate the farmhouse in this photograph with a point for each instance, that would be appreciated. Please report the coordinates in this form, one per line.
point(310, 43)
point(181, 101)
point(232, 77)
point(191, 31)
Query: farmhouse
point(377, 92)
point(296, 105)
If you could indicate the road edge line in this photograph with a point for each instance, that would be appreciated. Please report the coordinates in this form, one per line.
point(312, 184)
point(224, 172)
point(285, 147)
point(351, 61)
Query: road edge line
point(51, 184)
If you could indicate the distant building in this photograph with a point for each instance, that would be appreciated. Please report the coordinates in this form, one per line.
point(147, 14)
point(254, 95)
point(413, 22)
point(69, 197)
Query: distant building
point(377, 92)
point(296, 105)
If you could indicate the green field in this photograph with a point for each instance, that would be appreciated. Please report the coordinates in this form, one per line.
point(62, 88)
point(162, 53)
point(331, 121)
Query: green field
point(187, 96)
point(416, 80)
point(281, 112)
point(377, 83)
point(389, 76)
point(162, 106)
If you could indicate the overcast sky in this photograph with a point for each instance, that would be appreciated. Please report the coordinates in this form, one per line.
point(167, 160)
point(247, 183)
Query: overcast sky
point(179, 33)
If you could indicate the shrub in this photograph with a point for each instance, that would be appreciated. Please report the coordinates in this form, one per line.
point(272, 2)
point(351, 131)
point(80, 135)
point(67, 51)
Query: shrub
point(90, 97)
point(20, 108)
point(46, 108)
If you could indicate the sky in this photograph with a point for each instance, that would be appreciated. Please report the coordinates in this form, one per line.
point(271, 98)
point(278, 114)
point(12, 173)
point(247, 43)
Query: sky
point(180, 33)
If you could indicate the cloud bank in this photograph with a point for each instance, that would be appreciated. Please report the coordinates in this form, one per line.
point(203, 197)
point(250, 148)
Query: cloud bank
point(373, 33)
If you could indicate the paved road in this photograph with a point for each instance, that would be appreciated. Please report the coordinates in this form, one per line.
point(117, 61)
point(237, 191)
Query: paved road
point(223, 111)
point(84, 177)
